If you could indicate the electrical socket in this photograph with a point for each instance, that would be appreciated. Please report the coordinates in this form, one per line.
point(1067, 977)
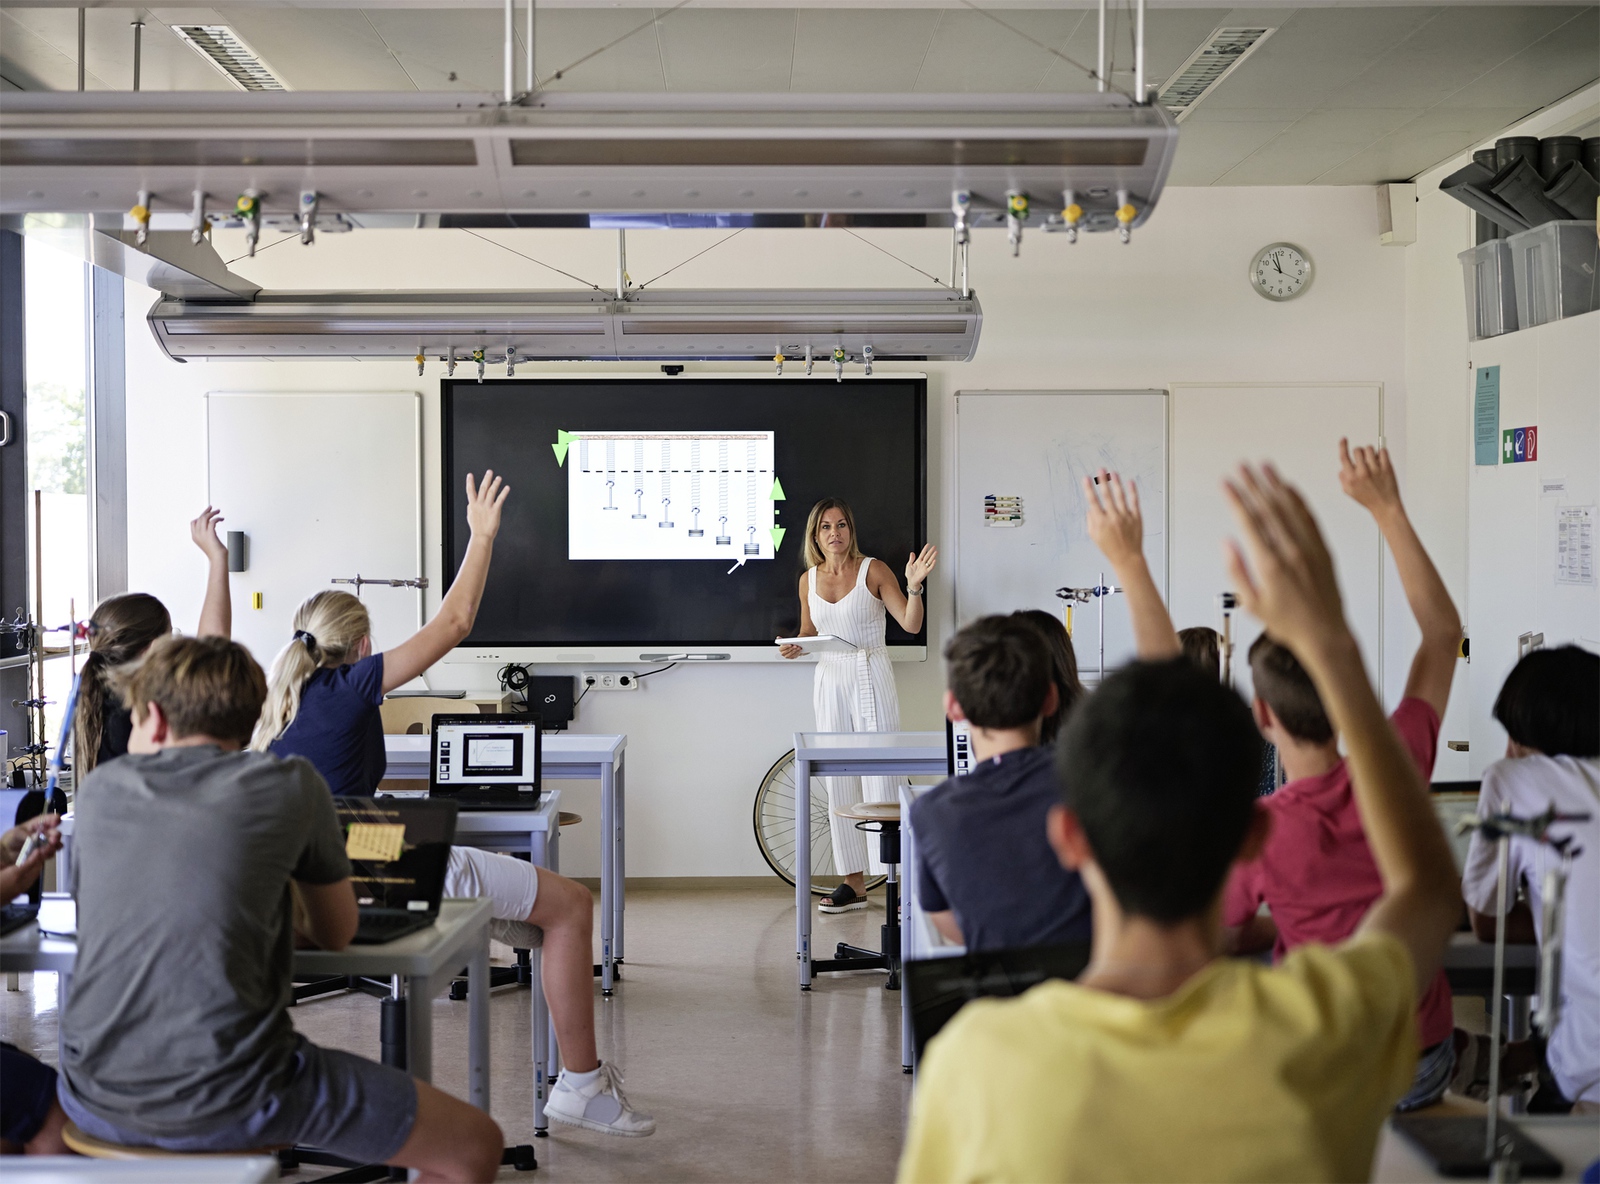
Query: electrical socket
point(610, 680)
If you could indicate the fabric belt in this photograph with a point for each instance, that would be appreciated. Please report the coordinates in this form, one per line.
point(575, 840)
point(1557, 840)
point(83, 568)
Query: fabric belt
point(862, 658)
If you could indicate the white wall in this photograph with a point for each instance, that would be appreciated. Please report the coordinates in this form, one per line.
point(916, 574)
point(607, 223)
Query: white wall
point(1173, 306)
point(1438, 408)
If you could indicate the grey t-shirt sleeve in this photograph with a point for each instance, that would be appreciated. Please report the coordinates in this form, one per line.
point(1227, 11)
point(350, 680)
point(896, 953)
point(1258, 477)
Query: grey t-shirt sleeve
point(323, 860)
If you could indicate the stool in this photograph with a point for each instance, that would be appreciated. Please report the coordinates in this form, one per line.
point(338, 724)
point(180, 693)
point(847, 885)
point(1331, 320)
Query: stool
point(884, 818)
point(93, 1148)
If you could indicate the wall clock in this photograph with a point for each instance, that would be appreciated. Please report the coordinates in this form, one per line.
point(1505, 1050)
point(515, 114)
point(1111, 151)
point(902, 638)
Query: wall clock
point(1280, 271)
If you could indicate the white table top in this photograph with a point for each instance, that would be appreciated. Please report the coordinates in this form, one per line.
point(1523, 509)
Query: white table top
point(73, 1169)
point(444, 945)
point(494, 822)
point(1465, 952)
point(871, 745)
point(1575, 1141)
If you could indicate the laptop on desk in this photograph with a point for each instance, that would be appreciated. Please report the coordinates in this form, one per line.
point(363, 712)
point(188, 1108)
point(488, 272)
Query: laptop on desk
point(486, 762)
point(399, 851)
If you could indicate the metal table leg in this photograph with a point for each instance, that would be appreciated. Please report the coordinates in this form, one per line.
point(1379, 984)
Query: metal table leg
point(619, 892)
point(802, 867)
point(539, 845)
point(608, 872)
point(478, 1025)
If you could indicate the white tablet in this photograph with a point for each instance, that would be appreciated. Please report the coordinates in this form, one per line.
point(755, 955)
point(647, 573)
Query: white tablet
point(822, 643)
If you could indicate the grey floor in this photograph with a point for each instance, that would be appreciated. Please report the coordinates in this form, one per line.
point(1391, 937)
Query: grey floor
point(749, 1079)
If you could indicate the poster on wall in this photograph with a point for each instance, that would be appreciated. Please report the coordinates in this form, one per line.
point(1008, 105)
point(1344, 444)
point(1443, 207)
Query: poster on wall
point(1575, 545)
point(1486, 416)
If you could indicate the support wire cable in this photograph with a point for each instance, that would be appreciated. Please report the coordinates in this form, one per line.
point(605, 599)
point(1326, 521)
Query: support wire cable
point(529, 258)
point(1092, 73)
point(896, 258)
point(590, 56)
point(691, 258)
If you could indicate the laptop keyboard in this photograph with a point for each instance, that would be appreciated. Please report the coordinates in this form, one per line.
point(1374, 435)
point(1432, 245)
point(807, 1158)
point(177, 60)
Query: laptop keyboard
point(15, 916)
point(383, 927)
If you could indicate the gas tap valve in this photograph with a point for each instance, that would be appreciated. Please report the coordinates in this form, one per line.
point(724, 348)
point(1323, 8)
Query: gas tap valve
point(866, 356)
point(477, 356)
point(1125, 216)
point(450, 365)
point(141, 216)
point(247, 208)
point(777, 361)
point(308, 216)
point(511, 361)
point(1016, 215)
point(420, 359)
point(809, 361)
point(1071, 214)
point(839, 357)
point(960, 210)
point(198, 226)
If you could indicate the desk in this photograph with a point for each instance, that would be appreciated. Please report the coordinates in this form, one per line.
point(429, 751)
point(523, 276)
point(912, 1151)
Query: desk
point(1575, 1141)
point(1469, 965)
point(849, 754)
point(918, 938)
point(564, 757)
point(421, 965)
point(74, 1169)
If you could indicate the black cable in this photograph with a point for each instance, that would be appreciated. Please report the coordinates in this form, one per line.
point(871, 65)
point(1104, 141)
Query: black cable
point(648, 673)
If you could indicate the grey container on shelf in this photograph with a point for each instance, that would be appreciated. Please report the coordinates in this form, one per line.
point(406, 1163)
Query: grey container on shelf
point(1557, 269)
point(1491, 294)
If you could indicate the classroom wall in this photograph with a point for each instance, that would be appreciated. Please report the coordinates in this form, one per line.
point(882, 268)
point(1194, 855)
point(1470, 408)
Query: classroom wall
point(1172, 306)
point(1438, 407)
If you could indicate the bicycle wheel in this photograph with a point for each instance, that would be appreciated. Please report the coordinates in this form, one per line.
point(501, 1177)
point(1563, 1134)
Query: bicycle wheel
point(774, 827)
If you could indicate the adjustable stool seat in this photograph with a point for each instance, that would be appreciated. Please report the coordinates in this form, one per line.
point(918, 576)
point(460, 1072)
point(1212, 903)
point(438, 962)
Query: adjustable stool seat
point(884, 818)
point(93, 1148)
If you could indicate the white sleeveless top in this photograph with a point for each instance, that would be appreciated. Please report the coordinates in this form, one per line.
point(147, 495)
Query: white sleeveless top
point(858, 617)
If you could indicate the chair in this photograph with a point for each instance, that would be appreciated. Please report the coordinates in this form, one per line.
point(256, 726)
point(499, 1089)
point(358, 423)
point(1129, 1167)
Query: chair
point(884, 818)
point(93, 1148)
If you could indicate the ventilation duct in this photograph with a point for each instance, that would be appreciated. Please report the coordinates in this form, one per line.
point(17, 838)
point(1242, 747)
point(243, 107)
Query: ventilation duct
point(1216, 58)
point(914, 325)
point(234, 60)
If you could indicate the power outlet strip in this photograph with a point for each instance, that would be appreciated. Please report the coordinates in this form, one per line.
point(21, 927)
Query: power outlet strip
point(610, 680)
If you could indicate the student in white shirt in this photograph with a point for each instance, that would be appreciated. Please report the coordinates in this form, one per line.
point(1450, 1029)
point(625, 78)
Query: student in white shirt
point(1550, 709)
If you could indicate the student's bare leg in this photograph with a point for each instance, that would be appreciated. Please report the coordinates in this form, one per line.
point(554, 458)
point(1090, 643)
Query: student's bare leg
point(857, 882)
point(564, 909)
point(450, 1142)
point(49, 1141)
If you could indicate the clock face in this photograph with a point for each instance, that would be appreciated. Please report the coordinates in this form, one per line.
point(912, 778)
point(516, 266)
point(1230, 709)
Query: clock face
point(1280, 271)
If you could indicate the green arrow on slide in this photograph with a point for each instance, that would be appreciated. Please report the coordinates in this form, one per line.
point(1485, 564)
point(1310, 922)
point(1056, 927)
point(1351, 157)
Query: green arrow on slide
point(777, 538)
point(563, 439)
point(777, 491)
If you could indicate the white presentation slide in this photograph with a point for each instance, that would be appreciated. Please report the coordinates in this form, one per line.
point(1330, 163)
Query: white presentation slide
point(671, 495)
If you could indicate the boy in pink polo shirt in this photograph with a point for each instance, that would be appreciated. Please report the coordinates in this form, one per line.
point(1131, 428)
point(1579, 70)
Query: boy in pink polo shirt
point(1316, 873)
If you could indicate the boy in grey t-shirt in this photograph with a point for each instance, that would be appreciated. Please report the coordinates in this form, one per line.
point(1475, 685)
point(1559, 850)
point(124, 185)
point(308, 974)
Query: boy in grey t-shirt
point(177, 1033)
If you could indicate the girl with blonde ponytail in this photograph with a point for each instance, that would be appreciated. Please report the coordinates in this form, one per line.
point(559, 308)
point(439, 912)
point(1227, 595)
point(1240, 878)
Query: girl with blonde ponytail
point(322, 704)
point(121, 629)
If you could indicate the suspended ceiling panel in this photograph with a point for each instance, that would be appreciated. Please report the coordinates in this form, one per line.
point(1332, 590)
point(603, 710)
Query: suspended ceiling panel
point(1339, 94)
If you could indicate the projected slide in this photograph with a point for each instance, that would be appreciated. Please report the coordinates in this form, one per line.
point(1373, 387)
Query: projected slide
point(670, 495)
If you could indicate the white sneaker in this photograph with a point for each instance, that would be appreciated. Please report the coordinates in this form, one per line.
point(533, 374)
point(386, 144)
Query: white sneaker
point(600, 1105)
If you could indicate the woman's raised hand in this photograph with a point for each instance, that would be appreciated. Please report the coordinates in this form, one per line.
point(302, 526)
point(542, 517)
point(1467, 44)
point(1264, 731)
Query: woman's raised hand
point(483, 505)
point(203, 530)
point(918, 566)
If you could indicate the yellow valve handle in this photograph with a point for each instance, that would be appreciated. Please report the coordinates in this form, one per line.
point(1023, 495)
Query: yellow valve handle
point(839, 355)
point(419, 359)
point(1018, 204)
point(140, 213)
point(1127, 214)
point(477, 355)
point(1073, 214)
point(245, 206)
point(778, 358)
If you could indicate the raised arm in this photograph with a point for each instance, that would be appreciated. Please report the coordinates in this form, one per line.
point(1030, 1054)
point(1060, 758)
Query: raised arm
point(905, 607)
point(1289, 585)
point(1367, 476)
point(216, 613)
point(459, 608)
point(1117, 527)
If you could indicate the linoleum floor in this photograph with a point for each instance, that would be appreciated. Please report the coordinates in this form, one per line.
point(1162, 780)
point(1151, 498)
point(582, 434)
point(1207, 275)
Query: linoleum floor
point(748, 1078)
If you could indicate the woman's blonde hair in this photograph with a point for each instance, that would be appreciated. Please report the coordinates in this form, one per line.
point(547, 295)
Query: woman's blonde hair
point(814, 555)
point(121, 629)
point(328, 630)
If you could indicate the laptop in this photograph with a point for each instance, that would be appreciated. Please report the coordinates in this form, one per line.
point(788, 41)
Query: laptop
point(399, 851)
point(486, 762)
point(937, 988)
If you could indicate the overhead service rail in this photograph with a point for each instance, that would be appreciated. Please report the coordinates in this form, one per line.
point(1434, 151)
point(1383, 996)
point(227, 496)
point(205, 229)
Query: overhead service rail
point(1075, 161)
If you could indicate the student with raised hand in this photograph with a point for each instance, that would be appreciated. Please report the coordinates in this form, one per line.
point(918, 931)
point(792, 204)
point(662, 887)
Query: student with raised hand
point(177, 1032)
point(1116, 526)
point(1167, 1060)
point(121, 629)
point(1316, 871)
point(1549, 706)
point(323, 704)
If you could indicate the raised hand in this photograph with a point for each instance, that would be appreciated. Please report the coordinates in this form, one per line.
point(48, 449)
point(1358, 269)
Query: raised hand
point(1114, 522)
point(1367, 476)
point(1288, 583)
point(919, 565)
point(203, 530)
point(483, 505)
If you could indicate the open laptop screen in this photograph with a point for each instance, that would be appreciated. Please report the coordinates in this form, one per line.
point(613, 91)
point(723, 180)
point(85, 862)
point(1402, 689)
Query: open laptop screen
point(399, 850)
point(485, 750)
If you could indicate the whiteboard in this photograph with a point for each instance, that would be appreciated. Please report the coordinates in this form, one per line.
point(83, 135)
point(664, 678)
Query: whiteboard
point(1039, 445)
point(325, 486)
point(1297, 428)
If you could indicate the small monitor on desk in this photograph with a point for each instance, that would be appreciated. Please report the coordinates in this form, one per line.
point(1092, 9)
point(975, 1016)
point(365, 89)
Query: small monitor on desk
point(486, 759)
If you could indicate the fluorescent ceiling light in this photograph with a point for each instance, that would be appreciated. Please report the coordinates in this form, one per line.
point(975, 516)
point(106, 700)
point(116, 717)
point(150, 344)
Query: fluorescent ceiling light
point(1218, 56)
point(225, 50)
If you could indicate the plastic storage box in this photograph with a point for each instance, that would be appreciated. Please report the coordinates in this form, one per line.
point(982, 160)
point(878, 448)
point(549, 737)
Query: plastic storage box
point(1557, 269)
point(1491, 295)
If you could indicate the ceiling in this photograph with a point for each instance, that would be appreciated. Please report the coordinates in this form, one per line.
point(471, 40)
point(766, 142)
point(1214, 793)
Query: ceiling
point(1337, 95)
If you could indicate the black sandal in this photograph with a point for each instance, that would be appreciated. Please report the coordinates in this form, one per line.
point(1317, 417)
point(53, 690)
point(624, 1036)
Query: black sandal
point(842, 899)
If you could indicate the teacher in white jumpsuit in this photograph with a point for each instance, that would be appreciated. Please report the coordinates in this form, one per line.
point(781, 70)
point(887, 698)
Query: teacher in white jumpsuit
point(847, 594)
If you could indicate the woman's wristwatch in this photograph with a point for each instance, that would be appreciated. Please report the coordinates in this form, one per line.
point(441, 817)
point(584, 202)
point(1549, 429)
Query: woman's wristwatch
point(910, 591)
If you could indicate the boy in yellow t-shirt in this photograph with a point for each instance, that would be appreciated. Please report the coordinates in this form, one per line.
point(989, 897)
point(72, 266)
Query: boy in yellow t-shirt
point(1166, 1061)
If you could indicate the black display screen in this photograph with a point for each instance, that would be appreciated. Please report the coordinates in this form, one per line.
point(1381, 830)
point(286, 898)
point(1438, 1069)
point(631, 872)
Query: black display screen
point(616, 482)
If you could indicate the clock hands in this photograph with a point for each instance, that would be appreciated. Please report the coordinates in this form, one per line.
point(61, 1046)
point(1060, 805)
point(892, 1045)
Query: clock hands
point(1276, 264)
